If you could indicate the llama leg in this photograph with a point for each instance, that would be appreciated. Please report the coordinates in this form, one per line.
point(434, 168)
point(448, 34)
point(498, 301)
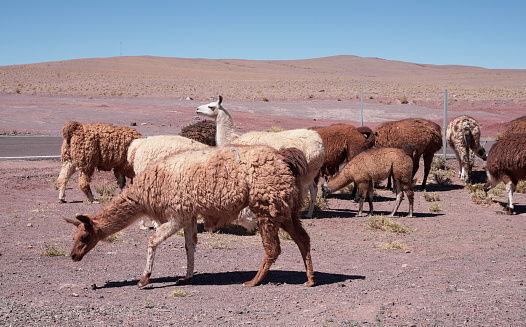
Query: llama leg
point(362, 190)
point(121, 180)
point(370, 195)
point(312, 189)
point(302, 240)
point(161, 234)
point(84, 181)
point(399, 194)
point(428, 159)
point(190, 238)
point(270, 238)
point(510, 188)
point(68, 169)
point(411, 197)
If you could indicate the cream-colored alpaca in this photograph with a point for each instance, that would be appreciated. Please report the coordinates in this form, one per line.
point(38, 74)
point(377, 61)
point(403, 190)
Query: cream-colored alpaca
point(308, 141)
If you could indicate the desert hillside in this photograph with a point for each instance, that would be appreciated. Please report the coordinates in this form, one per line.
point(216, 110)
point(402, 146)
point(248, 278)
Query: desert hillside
point(329, 78)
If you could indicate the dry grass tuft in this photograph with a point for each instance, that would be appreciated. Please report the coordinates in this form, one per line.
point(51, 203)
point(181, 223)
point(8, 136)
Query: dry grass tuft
point(387, 224)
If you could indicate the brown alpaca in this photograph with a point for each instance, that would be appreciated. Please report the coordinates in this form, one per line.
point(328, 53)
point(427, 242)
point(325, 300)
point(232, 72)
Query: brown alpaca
point(515, 126)
point(507, 163)
point(203, 132)
point(463, 135)
point(87, 147)
point(342, 142)
point(377, 164)
point(425, 135)
point(215, 183)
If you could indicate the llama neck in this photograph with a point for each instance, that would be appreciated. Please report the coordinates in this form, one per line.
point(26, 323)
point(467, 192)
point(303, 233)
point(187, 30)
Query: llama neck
point(225, 128)
point(121, 213)
point(339, 181)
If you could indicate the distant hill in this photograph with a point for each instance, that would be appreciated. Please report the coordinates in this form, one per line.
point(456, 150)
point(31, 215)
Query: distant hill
point(328, 78)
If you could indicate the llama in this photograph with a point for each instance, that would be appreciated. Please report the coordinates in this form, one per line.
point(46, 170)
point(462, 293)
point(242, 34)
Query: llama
point(203, 131)
point(507, 163)
point(425, 135)
point(146, 151)
point(215, 183)
point(515, 126)
point(308, 141)
point(342, 142)
point(87, 147)
point(463, 135)
point(377, 164)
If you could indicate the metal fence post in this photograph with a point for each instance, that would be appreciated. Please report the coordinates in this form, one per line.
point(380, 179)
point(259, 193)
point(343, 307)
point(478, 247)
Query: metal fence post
point(444, 142)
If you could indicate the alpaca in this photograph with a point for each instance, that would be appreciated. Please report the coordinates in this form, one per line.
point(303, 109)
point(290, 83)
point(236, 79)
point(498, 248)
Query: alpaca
point(425, 135)
point(87, 147)
point(203, 131)
point(507, 163)
point(515, 126)
point(463, 135)
point(216, 183)
point(377, 164)
point(308, 141)
point(147, 151)
point(342, 142)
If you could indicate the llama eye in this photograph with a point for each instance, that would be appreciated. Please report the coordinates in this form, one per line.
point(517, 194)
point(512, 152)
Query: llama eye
point(84, 238)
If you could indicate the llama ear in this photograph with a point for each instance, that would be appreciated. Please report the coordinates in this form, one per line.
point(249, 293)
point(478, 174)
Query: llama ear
point(71, 221)
point(220, 99)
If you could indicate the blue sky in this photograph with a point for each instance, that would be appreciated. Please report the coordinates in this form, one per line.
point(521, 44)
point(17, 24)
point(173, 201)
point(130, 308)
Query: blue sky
point(490, 34)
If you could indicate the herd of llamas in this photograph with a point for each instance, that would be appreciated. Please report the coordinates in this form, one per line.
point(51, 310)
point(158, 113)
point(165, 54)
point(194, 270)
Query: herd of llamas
point(261, 179)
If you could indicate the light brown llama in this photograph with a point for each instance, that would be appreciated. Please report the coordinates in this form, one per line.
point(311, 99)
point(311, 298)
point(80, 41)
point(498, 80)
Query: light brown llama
point(376, 165)
point(308, 141)
point(216, 183)
point(425, 135)
point(463, 135)
point(87, 147)
point(515, 126)
point(507, 163)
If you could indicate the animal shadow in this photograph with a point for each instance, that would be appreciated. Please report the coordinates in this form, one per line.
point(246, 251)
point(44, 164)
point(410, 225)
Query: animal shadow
point(517, 210)
point(276, 277)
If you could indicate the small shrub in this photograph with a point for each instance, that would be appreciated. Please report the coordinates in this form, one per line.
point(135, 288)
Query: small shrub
point(441, 172)
point(403, 100)
point(310, 96)
point(431, 197)
point(386, 224)
point(521, 187)
point(275, 129)
point(478, 195)
point(393, 245)
point(284, 235)
point(435, 207)
point(265, 99)
point(105, 190)
point(179, 293)
point(52, 251)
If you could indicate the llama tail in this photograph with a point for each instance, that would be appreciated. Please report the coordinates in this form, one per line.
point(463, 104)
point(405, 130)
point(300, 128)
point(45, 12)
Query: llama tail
point(296, 161)
point(409, 149)
point(368, 134)
point(68, 129)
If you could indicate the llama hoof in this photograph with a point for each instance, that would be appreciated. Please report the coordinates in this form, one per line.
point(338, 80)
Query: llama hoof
point(61, 200)
point(144, 280)
point(184, 281)
point(509, 211)
point(249, 284)
point(310, 283)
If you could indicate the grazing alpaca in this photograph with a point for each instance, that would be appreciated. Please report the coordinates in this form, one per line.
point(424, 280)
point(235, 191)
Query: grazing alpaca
point(308, 141)
point(147, 151)
point(425, 135)
point(515, 126)
point(507, 163)
point(87, 147)
point(342, 142)
point(463, 135)
point(203, 131)
point(377, 164)
point(216, 183)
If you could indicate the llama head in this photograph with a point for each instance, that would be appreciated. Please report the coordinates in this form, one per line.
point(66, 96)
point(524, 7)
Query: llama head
point(212, 109)
point(85, 238)
point(481, 152)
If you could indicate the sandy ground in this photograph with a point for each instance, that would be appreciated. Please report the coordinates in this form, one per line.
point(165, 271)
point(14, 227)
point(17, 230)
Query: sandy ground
point(462, 265)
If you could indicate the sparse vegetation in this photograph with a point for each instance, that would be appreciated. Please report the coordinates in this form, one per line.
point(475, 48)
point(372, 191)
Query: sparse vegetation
point(435, 207)
point(403, 100)
point(52, 251)
point(431, 197)
point(386, 224)
point(179, 293)
point(478, 195)
point(105, 191)
point(441, 172)
point(320, 204)
point(275, 129)
point(393, 245)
